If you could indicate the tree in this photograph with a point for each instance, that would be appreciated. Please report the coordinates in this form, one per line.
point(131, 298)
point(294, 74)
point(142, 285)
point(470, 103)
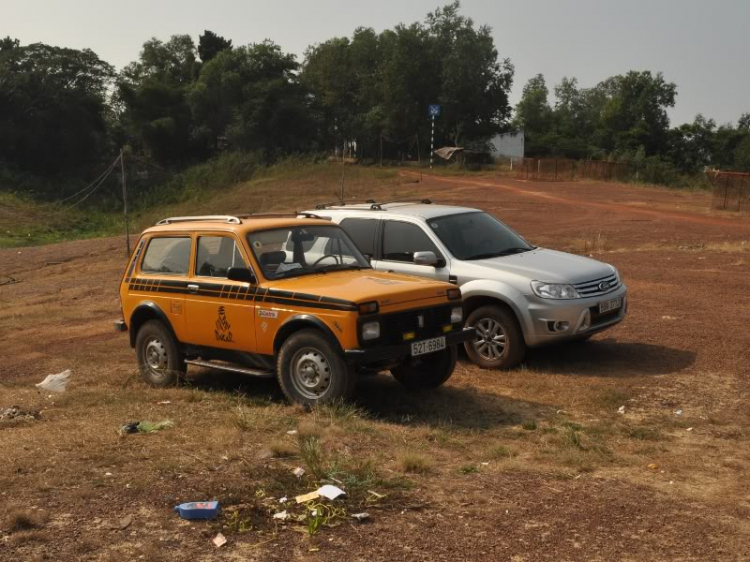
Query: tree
point(250, 97)
point(153, 95)
point(52, 107)
point(210, 45)
point(635, 111)
point(535, 116)
point(475, 81)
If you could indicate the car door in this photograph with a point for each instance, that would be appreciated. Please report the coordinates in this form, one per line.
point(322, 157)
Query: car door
point(399, 241)
point(220, 312)
point(162, 277)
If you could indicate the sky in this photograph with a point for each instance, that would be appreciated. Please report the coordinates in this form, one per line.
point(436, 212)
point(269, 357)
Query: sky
point(702, 46)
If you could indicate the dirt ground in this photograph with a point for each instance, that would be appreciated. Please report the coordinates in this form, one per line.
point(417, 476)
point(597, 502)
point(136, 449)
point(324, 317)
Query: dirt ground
point(532, 464)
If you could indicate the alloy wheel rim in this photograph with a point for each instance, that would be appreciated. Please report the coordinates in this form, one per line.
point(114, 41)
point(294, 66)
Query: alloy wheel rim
point(490, 342)
point(311, 373)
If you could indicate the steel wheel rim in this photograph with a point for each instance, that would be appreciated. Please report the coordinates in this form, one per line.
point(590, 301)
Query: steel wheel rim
point(156, 358)
point(311, 373)
point(490, 342)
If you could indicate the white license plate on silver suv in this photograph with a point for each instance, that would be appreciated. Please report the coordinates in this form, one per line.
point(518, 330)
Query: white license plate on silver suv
point(606, 306)
point(427, 346)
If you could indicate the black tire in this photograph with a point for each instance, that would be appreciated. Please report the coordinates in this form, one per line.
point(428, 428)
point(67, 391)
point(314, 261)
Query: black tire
point(495, 350)
point(427, 372)
point(155, 346)
point(310, 370)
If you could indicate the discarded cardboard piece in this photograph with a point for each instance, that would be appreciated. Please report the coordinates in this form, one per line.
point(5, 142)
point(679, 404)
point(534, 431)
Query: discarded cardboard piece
point(307, 497)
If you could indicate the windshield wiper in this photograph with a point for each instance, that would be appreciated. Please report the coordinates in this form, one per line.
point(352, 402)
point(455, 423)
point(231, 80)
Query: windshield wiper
point(506, 252)
point(339, 266)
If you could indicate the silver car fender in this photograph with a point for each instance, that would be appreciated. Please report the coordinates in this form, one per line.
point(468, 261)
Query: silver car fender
point(499, 291)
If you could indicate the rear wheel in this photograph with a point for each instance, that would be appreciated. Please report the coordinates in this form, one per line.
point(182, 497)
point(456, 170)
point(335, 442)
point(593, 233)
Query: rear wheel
point(499, 342)
point(311, 371)
point(428, 371)
point(158, 355)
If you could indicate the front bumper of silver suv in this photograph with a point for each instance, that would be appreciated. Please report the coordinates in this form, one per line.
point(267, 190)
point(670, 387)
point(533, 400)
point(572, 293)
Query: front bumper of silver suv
point(551, 321)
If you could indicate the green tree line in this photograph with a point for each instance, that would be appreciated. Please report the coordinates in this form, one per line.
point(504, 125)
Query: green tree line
point(65, 114)
point(625, 118)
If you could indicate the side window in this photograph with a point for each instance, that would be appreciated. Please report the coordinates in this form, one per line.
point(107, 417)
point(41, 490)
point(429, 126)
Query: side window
point(167, 255)
point(216, 254)
point(362, 232)
point(402, 239)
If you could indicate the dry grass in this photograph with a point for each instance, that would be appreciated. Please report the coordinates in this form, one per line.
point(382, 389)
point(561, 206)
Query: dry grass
point(413, 463)
point(557, 417)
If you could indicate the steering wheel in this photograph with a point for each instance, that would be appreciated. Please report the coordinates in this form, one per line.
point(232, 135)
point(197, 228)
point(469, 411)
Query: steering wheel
point(321, 258)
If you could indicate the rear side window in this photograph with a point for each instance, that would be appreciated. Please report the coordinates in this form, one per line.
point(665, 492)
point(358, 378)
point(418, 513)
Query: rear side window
point(216, 254)
point(402, 239)
point(362, 232)
point(169, 255)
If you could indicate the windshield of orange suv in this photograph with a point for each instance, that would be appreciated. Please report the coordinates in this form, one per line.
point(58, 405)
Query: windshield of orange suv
point(301, 250)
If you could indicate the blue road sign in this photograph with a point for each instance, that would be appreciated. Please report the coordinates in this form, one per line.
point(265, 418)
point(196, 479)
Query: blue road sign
point(434, 110)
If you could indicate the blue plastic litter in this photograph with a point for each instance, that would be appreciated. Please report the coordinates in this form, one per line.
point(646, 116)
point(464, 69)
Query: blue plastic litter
point(198, 510)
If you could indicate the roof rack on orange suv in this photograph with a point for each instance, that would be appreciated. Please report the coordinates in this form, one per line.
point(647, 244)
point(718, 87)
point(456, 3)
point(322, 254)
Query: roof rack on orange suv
point(236, 219)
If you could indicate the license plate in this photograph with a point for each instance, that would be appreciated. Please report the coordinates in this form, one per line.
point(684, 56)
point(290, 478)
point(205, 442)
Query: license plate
point(427, 346)
point(606, 306)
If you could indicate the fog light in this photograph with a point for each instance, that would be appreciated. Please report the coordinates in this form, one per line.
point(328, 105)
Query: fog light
point(561, 326)
point(371, 331)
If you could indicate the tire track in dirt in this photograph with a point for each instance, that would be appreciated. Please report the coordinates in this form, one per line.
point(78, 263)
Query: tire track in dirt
point(662, 215)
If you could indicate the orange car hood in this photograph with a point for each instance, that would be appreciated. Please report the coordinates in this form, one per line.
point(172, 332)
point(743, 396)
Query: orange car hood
point(364, 286)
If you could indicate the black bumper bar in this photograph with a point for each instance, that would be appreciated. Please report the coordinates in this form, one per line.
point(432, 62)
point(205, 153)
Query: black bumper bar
point(385, 353)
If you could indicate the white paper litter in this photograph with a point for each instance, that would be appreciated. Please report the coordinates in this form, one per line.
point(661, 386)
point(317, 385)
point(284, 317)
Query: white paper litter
point(283, 500)
point(282, 515)
point(330, 492)
point(55, 383)
point(219, 540)
point(621, 410)
point(361, 516)
point(292, 432)
point(298, 472)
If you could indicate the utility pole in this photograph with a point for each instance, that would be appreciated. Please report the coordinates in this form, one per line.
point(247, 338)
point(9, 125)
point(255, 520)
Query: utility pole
point(125, 202)
point(343, 164)
point(419, 159)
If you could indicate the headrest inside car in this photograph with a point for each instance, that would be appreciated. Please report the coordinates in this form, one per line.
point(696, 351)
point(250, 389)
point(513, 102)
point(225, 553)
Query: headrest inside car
point(272, 258)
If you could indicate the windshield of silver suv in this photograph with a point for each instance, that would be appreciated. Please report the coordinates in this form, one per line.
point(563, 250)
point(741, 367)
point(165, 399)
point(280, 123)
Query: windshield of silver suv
point(289, 252)
point(477, 236)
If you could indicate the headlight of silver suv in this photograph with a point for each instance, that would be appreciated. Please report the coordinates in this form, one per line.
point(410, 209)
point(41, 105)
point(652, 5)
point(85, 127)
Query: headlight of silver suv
point(554, 290)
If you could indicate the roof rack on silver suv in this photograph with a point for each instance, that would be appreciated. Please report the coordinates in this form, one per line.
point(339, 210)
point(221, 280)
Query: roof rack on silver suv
point(374, 206)
point(228, 219)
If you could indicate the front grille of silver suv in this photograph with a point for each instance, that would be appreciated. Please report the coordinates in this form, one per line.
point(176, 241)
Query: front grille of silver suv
point(597, 287)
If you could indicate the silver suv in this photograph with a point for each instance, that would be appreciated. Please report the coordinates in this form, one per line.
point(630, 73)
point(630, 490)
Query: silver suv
point(516, 295)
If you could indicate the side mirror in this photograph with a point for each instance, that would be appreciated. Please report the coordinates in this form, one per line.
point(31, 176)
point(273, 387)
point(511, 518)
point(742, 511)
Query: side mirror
point(242, 274)
point(426, 258)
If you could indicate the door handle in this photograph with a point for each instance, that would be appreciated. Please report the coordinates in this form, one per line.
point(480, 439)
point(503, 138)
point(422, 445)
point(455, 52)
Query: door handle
point(193, 288)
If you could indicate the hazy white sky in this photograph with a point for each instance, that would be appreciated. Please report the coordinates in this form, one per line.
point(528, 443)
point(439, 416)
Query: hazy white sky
point(703, 46)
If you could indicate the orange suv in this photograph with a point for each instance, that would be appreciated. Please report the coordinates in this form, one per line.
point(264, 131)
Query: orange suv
point(286, 297)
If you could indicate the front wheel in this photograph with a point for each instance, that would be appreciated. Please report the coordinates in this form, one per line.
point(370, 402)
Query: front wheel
point(499, 342)
point(311, 371)
point(158, 355)
point(428, 371)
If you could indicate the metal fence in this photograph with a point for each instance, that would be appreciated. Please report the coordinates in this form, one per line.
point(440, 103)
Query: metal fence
point(565, 169)
point(731, 190)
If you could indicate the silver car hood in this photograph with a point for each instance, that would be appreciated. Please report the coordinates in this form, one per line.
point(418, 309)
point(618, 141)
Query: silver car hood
point(540, 264)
